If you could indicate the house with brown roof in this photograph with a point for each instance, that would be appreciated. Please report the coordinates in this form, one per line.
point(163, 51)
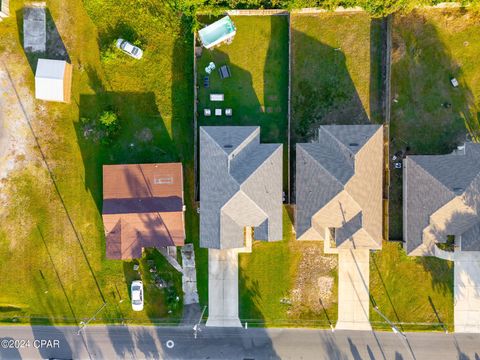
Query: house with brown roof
point(143, 207)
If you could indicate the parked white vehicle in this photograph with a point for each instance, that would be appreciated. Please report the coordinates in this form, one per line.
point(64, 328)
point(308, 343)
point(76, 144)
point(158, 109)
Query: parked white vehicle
point(129, 49)
point(137, 295)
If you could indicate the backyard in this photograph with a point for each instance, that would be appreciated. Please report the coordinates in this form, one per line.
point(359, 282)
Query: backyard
point(53, 265)
point(428, 114)
point(336, 77)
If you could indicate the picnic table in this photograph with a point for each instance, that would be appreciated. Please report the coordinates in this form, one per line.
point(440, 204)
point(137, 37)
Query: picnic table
point(216, 97)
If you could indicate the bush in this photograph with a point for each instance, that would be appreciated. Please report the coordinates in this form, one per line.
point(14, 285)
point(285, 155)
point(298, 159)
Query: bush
point(102, 129)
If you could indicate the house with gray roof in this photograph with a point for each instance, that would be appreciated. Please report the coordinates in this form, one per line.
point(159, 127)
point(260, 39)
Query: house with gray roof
point(441, 199)
point(339, 187)
point(240, 186)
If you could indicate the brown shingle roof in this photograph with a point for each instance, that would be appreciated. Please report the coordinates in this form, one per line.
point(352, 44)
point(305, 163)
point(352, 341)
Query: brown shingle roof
point(142, 207)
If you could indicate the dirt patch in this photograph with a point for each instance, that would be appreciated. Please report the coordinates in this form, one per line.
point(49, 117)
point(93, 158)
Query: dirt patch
point(314, 283)
point(398, 47)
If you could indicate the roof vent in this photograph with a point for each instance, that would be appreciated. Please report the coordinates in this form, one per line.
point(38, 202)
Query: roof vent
point(157, 180)
point(228, 146)
point(353, 144)
point(458, 190)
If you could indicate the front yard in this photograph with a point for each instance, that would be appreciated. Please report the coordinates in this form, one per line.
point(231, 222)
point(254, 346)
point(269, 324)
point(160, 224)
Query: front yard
point(288, 283)
point(414, 292)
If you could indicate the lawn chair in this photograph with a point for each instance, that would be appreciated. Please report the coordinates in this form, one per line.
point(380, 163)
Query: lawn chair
point(210, 68)
point(207, 112)
point(218, 112)
point(228, 112)
point(206, 82)
point(224, 72)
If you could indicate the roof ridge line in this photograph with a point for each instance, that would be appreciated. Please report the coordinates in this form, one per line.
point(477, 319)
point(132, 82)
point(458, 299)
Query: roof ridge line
point(260, 165)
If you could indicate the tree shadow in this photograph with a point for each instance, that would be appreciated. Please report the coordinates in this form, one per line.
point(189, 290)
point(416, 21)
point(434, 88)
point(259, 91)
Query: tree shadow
point(427, 111)
point(143, 137)
point(55, 48)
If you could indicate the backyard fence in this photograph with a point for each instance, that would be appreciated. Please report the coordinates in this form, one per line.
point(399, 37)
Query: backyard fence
point(387, 103)
point(195, 122)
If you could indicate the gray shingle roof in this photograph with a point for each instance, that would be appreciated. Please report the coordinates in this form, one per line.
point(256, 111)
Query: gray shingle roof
point(341, 174)
point(441, 196)
point(240, 185)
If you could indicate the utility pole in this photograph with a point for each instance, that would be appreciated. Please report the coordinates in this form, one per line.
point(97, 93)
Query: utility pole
point(196, 327)
point(83, 324)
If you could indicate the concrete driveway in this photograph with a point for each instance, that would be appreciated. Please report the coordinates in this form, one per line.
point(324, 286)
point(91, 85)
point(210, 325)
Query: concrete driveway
point(353, 289)
point(467, 291)
point(223, 288)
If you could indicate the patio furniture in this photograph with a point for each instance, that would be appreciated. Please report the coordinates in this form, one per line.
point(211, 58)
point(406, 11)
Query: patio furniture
point(210, 68)
point(224, 72)
point(228, 112)
point(218, 112)
point(216, 97)
point(207, 112)
point(206, 81)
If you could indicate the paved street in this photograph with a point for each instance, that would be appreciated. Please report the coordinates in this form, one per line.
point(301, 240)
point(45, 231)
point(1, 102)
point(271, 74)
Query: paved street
point(111, 342)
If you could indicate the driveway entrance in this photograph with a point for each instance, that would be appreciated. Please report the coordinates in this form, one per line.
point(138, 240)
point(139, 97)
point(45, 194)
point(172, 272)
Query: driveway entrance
point(353, 289)
point(467, 291)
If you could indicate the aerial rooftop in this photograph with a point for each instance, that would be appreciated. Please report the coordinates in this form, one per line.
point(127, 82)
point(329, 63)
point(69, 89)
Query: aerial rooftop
point(441, 197)
point(339, 186)
point(142, 207)
point(240, 186)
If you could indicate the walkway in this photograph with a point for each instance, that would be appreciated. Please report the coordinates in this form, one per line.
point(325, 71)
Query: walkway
point(467, 291)
point(353, 290)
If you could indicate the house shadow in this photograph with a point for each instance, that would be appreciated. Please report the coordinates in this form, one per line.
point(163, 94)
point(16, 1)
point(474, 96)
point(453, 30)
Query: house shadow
point(55, 48)
point(332, 101)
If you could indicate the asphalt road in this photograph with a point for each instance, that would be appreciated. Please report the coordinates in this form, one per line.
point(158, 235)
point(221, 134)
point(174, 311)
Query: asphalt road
point(112, 342)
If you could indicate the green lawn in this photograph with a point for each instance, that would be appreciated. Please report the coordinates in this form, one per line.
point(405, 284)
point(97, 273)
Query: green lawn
point(335, 71)
point(274, 272)
point(429, 48)
point(52, 246)
point(257, 89)
point(411, 290)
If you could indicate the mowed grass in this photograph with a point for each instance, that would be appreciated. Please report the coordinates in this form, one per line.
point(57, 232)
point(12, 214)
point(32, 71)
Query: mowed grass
point(429, 48)
point(267, 276)
point(336, 63)
point(52, 253)
point(257, 90)
point(413, 290)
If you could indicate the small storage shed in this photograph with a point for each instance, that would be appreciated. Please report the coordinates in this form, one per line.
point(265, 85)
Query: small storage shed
point(53, 80)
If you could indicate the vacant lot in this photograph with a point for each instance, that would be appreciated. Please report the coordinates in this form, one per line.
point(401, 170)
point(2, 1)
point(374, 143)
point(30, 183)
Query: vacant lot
point(336, 78)
point(288, 283)
point(52, 253)
point(416, 291)
point(430, 47)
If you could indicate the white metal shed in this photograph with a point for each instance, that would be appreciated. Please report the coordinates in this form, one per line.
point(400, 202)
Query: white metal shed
point(53, 80)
